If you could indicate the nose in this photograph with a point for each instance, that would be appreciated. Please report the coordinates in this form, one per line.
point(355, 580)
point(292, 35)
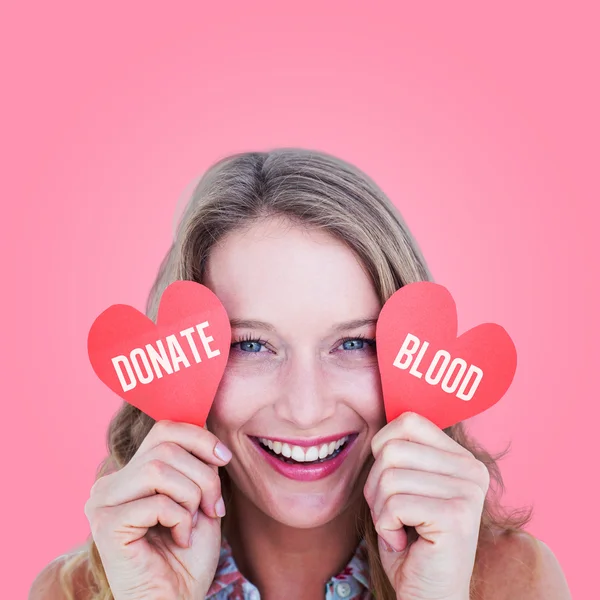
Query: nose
point(304, 397)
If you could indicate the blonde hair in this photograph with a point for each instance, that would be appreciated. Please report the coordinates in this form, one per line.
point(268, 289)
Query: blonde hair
point(312, 189)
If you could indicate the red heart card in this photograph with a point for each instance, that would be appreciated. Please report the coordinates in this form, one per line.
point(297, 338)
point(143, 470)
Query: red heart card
point(171, 369)
point(426, 369)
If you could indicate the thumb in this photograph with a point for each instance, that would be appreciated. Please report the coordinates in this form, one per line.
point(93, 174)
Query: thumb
point(203, 554)
point(392, 559)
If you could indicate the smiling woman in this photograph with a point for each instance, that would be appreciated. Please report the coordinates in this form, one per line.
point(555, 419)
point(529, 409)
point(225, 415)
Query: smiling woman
point(298, 488)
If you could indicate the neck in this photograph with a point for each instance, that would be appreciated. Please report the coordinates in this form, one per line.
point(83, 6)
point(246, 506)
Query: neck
point(274, 556)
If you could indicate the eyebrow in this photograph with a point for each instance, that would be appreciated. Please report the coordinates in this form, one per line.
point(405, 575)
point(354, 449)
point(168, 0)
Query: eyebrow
point(254, 324)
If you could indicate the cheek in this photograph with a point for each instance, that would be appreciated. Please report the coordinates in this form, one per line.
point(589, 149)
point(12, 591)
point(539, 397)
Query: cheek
point(238, 398)
point(369, 403)
point(360, 388)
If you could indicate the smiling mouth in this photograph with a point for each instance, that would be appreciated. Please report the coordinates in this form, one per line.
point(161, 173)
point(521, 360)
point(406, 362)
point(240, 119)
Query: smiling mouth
point(299, 455)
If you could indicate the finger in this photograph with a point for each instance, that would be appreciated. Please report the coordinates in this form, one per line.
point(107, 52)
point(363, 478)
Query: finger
point(198, 440)
point(129, 522)
point(415, 428)
point(436, 520)
point(206, 477)
point(398, 453)
point(400, 538)
point(152, 478)
point(421, 483)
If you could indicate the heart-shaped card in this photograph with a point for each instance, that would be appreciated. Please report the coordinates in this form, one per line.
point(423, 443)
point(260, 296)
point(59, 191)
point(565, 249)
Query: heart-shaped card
point(426, 369)
point(171, 369)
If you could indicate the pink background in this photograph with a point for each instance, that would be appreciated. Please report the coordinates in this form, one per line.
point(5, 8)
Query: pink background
point(480, 123)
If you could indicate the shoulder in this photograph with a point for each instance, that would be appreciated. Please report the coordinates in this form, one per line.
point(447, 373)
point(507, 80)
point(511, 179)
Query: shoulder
point(47, 586)
point(517, 565)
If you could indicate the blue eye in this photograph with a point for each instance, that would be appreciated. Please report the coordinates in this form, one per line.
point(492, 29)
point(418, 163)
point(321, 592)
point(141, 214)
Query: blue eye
point(249, 344)
point(359, 342)
point(244, 345)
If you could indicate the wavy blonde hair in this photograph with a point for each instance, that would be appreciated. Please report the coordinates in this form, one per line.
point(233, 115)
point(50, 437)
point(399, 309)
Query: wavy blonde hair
point(316, 190)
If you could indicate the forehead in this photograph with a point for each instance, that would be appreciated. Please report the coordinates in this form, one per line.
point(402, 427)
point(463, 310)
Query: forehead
point(276, 271)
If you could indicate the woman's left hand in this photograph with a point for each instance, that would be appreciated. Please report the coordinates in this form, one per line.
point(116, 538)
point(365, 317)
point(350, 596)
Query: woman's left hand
point(422, 478)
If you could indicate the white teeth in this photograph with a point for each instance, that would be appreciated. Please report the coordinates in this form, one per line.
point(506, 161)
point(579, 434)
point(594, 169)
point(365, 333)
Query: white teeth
point(298, 454)
point(301, 454)
point(312, 454)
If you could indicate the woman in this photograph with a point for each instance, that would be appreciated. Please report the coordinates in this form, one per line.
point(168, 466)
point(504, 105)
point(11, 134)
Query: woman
point(297, 488)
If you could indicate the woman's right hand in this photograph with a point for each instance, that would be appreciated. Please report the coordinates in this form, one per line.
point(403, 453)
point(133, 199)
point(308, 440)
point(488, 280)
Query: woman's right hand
point(142, 516)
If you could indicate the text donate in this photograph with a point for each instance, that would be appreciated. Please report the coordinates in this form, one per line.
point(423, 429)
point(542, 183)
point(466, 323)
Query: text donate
point(143, 364)
point(454, 374)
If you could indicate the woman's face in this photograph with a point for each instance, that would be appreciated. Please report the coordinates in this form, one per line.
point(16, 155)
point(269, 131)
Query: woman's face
point(291, 377)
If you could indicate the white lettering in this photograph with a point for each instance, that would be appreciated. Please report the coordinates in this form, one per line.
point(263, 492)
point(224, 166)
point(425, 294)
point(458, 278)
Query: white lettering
point(428, 376)
point(144, 363)
point(149, 376)
point(450, 389)
point(452, 373)
point(205, 340)
point(157, 359)
point(187, 333)
point(122, 360)
point(177, 353)
point(478, 376)
point(406, 351)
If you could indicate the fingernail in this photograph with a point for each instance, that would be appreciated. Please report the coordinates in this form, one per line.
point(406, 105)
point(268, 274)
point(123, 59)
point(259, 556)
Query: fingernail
point(223, 452)
point(195, 518)
point(387, 547)
point(220, 507)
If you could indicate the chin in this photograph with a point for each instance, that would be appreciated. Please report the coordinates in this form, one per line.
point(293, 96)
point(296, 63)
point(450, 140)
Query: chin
point(306, 517)
point(304, 510)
